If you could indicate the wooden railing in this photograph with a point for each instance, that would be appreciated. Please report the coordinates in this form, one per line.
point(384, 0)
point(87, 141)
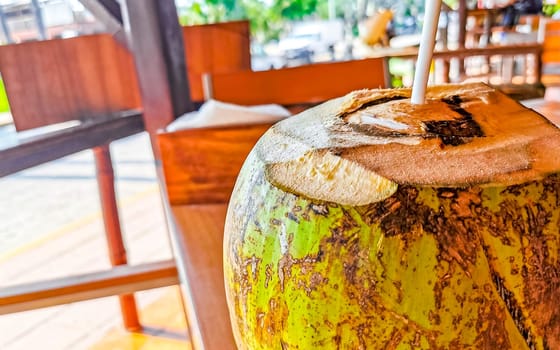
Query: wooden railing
point(529, 49)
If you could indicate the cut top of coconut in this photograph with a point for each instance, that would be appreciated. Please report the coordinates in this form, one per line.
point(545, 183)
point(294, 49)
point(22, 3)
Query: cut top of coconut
point(357, 149)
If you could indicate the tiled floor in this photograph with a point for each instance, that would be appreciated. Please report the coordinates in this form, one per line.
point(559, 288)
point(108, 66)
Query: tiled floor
point(50, 226)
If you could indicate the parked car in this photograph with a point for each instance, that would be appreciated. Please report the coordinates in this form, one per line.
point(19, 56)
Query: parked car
point(307, 39)
point(300, 46)
point(261, 59)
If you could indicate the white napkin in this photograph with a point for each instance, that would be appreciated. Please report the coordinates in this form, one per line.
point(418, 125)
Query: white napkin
point(216, 113)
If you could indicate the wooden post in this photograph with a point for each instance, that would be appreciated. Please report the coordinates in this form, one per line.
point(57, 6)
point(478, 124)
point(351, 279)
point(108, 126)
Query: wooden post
point(156, 39)
point(117, 251)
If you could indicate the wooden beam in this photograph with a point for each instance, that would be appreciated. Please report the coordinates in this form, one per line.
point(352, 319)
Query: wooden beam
point(119, 280)
point(40, 148)
point(491, 50)
point(152, 27)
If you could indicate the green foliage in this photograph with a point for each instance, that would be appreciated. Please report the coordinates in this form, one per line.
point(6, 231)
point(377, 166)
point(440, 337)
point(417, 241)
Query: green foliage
point(295, 10)
point(266, 17)
point(4, 105)
point(550, 9)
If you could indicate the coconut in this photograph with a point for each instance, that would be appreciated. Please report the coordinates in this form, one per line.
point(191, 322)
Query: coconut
point(371, 223)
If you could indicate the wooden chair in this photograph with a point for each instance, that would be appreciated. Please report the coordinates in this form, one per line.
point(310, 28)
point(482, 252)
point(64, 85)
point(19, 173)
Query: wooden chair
point(201, 165)
point(89, 81)
point(295, 86)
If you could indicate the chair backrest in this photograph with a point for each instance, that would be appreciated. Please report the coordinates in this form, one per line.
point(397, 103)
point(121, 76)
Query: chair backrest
point(215, 48)
point(54, 81)
point(308, 84)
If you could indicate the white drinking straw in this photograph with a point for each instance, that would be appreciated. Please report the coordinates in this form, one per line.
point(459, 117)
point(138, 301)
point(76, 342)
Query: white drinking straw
point(427, 44)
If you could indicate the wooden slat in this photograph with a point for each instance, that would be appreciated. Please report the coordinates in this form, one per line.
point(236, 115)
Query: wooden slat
point(119, 79)
point(201, 165)
point(491, 50)
point(199, 239)
point(215, 48)
point(53, 81)
point(551, 43)
point(305, 84)
point(46, 147)
point(119, 280)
